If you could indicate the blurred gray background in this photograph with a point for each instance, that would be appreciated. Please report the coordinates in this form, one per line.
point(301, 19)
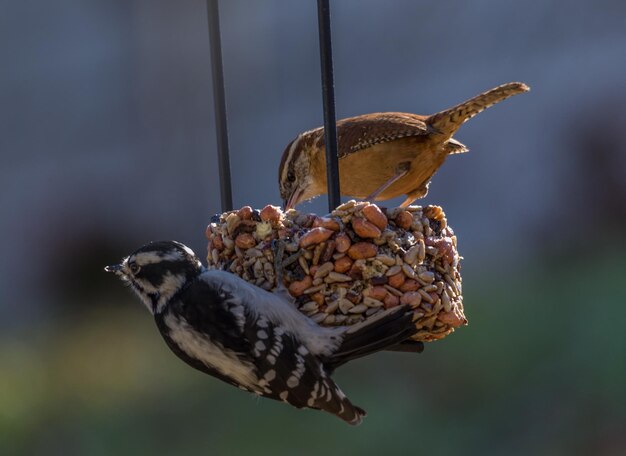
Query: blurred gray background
point(107, 141)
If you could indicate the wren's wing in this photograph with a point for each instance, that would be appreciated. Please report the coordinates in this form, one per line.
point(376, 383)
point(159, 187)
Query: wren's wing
point(361, 132)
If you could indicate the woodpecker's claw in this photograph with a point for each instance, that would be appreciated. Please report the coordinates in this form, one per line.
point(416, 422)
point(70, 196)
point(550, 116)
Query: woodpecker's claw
point(278, 248)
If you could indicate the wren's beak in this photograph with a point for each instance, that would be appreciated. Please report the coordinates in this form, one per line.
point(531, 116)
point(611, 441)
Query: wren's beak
point(293, 199)
point(115, 268)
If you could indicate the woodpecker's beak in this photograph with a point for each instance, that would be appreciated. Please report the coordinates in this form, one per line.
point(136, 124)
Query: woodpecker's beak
point(293, 199)
point(115, 268)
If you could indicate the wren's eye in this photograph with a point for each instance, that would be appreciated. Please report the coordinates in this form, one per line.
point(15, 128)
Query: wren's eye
point(134, 267)
point(291, 176)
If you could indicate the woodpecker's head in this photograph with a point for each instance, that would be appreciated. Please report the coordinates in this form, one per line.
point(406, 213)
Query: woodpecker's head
point(297, 175)
point(157, 271)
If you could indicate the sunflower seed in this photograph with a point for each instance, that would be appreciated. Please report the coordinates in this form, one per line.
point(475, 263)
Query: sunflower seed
point(409, 271)
point(371, 311)
point(345, 305)
point(387, 260)
point(319, 317)
point(371, 302)
point(427, 297)
point(303, 264)
point(334, 277)
point(317, 253)
point(393, 290)
point(269, 273)
point(427, 276)
point(445, 300)
point(314, 289)
point(309, 306)
point(411, 255)
point(332, 306)
point(359, 308)
point(323, 270)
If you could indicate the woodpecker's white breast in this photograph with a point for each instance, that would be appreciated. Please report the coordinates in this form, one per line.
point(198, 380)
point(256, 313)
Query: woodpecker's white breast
point(200, 347)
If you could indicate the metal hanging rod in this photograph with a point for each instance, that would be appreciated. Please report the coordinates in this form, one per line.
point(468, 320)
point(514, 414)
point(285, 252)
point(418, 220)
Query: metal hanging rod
point(219, 104)
point(328, 94)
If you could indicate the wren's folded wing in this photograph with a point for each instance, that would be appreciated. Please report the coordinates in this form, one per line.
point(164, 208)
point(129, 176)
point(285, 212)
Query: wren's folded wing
point(361, 132)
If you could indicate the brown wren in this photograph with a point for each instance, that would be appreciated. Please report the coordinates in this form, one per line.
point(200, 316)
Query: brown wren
point(382, 155)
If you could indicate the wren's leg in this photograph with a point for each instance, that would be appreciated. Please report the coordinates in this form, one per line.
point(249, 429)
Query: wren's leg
point(416, 194)
point(401, 171)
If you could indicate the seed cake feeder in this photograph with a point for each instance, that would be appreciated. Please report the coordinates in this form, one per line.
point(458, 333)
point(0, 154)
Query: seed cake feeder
point(348, 265)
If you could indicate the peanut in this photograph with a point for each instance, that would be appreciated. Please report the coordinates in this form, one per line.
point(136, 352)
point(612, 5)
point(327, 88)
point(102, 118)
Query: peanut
point(356, 272)
point(434, 212)
point(318, 298)
point(315, 236)
point(297, 287)
point(409, 285)
point(364, 228)
point(218, 243)
point(232, 222)
point(362, 250)
point(245, 213)
point(404, 220)
point(245, 241)
point(343, 264)
point(342, 242)
point(378, 293)
point(412, 298)
point(391, 301)
point(326, 222)
point(453, 319)
point(270, 213)
point(397, 280)
point(374, 215)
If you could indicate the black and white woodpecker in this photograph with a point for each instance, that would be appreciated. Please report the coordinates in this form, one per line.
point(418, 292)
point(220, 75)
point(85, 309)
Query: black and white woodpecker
point(251, 338)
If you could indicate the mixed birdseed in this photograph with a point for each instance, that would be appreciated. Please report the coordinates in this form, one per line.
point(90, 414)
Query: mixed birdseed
point(350, 264)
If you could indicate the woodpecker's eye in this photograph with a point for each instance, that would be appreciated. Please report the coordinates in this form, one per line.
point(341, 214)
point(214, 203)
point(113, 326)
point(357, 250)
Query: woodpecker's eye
point(134, 267)
point(291, 176)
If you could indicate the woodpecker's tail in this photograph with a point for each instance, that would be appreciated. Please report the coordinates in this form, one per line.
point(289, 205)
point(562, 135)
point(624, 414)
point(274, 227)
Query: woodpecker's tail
point(449, 121)
point(349, 412)
point(331, 399)
point(384, 330)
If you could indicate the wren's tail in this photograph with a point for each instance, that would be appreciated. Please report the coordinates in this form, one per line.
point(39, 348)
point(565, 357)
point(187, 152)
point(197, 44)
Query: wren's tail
point(383, 331)
point(449, 121)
